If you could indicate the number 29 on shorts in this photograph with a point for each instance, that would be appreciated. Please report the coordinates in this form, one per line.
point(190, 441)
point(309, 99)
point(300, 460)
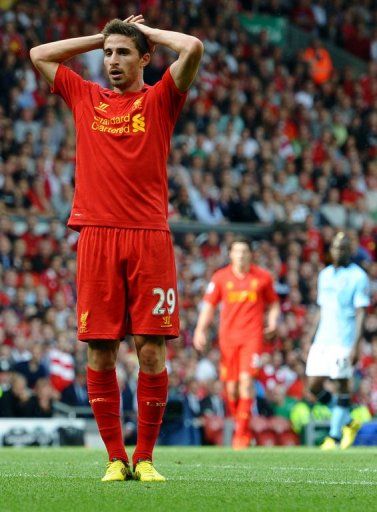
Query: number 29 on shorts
point(166, 301)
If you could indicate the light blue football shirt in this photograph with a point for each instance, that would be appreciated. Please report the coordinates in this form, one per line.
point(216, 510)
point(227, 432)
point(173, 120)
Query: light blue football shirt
point(340, 292)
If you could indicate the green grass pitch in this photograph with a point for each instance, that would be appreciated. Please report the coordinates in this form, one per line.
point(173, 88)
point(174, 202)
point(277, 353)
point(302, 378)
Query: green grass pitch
point(199, 479)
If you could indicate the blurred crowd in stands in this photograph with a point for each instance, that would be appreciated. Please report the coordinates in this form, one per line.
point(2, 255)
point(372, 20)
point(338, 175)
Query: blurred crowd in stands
point(350, 24)
point(259, 141)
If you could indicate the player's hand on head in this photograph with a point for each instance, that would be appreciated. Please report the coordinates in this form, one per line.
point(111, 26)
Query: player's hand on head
point(147, 31)
point(139, 18)
point(200, 340)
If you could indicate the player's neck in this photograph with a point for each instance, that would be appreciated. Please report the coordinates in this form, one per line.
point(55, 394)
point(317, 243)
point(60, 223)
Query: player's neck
point(341, 264)
point(240, 271)
point(135, 86)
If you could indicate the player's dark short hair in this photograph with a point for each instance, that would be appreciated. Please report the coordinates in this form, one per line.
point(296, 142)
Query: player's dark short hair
point(241, 240)
point(117, 26)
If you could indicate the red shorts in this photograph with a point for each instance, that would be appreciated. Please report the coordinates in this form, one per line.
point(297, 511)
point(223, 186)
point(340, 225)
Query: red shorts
point(126, 283)
point(237, 359)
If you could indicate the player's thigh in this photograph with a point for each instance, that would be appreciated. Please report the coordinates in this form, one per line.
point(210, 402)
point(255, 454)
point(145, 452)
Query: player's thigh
point(101, 292)
point(229, 362)
point(151, 284)
point(318, 363)
point(249, 360)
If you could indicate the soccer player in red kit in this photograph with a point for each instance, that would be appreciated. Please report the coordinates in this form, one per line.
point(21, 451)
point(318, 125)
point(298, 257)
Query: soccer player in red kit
point(126, 273)
point(249, 314)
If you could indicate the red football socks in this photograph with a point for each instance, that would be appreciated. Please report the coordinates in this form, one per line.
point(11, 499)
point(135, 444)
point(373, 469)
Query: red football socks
point(243, 417)
point(152, 393)
point(104, 398)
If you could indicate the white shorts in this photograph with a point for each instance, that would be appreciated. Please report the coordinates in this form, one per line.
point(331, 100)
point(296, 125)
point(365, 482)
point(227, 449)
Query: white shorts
point(330, 361)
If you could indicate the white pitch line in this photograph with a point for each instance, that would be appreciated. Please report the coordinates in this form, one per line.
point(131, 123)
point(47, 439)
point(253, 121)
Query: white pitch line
point(201, 479)
point(272, 468)
point(280, 481)
point(288, 468)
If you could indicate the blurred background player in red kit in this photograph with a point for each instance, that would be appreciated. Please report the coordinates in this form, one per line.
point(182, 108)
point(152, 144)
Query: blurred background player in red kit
point(126, 278)
point(249, 315)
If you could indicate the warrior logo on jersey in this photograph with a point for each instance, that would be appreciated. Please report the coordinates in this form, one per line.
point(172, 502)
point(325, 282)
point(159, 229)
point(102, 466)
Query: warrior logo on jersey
point(166, 321)
point(102, 107)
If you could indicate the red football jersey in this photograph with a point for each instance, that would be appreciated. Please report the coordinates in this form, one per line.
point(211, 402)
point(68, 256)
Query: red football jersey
point(122, 145)
point(244, 301)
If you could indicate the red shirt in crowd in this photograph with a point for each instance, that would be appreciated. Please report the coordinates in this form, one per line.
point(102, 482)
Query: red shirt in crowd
point(122, 144)
point(244, 301)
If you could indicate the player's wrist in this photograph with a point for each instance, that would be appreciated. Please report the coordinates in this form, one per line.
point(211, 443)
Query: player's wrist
point(152, 35)
point(99, 39)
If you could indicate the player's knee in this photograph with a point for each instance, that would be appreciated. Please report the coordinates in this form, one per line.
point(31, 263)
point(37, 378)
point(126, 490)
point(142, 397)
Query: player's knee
point(102, 355)
point(151, 358)
point(232, 390)
point(344, 400)
point(245, 383)
point(321, 395)
point(232, 394)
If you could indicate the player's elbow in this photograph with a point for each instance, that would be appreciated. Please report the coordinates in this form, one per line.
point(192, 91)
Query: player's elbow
point(39, 54)
point(195, 48)
point(35, 54)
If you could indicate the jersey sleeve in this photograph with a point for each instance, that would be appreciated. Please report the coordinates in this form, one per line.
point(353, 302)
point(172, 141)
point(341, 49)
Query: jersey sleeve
point(269, 294)
point(361, 298)
point(170, 98)
point(213, 293)
point(69, 85)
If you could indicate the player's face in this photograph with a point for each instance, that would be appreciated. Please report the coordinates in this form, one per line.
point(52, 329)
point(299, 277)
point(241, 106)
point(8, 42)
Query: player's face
point(122, 60)
point(240, 255)
point(340, 252)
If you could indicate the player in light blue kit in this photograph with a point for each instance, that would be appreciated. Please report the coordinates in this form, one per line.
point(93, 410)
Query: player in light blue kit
point(343, 295)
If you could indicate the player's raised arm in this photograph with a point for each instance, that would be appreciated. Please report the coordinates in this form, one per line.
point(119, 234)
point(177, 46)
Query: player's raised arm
point(204, 321)
point(47, 57)
point(189, 49)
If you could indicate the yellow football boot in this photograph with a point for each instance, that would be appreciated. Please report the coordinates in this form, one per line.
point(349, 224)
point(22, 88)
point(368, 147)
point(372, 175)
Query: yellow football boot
point(329, 444)
point(117, 471)
point(349, 434)
point(146, 472)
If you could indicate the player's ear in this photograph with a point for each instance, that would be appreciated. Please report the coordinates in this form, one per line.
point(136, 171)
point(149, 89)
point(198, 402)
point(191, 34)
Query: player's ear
point(145, 60)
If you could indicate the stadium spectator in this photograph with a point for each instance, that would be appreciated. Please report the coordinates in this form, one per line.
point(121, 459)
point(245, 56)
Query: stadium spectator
point(319, 61)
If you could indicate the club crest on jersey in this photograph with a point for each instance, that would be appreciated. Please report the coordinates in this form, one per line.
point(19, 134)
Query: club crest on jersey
point(83, 328)
point(102, 107)
point(137, 104)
